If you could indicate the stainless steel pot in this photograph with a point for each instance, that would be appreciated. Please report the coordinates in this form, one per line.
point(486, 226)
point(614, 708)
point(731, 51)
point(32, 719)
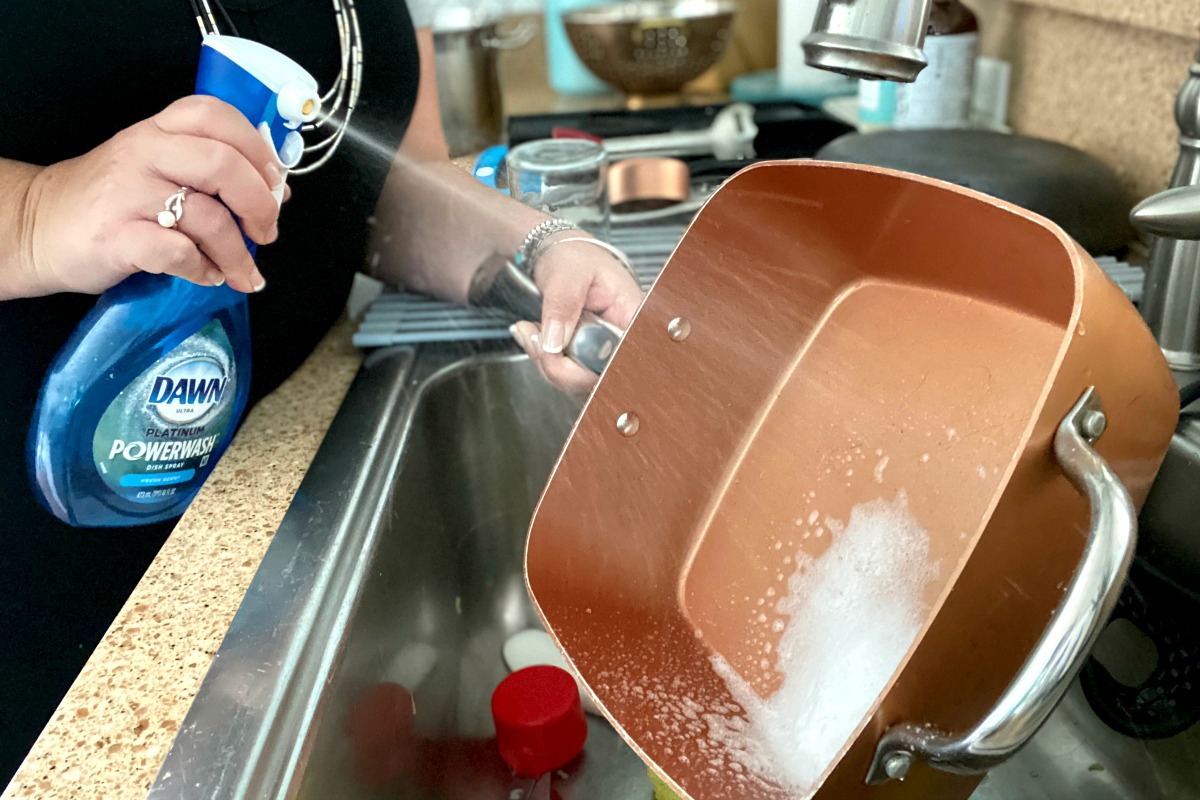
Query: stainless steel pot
point(467, 46)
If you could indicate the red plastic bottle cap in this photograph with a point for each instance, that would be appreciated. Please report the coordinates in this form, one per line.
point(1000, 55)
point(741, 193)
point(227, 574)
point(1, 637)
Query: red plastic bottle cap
point(539, 720)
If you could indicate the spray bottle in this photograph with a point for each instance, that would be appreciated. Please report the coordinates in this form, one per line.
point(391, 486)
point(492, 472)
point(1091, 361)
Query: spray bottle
point(146, 394)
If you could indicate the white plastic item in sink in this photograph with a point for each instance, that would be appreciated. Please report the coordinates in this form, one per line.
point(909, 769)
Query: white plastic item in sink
point(535, 648)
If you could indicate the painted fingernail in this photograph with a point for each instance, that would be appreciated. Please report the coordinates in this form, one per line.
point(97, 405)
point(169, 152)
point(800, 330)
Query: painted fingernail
point(515, 333)
point(262, 284)
point(215, 277)
point(536, 341)
point(553, 341)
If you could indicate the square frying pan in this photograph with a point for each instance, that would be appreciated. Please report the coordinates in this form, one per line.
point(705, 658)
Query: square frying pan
point(856, 493)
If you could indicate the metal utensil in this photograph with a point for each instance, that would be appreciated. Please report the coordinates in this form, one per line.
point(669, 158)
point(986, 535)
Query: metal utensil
point(498, 283)
point(829, 337)
point(729, 138)
point(651, 46)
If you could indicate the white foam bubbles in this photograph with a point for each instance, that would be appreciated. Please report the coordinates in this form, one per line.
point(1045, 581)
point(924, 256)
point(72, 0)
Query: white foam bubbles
point(854, 612)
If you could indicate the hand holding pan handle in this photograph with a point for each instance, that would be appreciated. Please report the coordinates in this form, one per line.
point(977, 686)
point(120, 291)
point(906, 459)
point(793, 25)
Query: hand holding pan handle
point(500, 284)
point(1046, 676)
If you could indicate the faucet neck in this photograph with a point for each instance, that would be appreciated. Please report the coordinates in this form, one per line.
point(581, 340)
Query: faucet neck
point(1187, 104)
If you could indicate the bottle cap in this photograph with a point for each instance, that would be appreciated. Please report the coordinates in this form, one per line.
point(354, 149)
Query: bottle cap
point(539, 720)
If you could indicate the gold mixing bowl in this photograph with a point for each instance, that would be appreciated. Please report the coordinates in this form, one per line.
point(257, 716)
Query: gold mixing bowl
point(651, 46)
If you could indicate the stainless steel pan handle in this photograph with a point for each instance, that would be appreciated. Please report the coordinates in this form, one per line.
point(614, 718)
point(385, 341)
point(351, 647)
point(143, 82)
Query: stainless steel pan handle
point(500, 284)
point(1060, 653)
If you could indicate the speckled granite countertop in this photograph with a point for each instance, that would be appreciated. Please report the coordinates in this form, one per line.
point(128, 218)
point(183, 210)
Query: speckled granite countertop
point(112, 731)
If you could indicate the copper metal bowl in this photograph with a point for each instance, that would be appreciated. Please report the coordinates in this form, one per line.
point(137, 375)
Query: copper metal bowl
point(646, 184)
point(651, 47)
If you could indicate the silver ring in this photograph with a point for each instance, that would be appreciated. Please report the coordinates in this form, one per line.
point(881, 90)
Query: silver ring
point(173, 208)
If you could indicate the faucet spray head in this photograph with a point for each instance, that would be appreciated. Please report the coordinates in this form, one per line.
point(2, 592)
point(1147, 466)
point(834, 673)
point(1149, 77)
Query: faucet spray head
point(869, 38)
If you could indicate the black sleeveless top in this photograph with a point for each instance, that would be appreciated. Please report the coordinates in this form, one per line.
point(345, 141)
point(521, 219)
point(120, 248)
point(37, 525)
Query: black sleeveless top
point(72, 75)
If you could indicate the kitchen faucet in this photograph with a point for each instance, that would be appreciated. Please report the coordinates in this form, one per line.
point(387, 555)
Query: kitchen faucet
point(1171, 306)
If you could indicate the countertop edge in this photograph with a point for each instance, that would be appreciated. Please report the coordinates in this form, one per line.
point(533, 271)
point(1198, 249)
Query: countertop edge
point(112, 730)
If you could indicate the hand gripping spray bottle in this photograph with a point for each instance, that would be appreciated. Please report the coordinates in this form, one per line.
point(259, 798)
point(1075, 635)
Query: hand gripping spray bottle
point(146, 394)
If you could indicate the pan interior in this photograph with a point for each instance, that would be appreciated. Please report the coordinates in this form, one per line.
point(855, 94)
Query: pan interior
point(858, 491)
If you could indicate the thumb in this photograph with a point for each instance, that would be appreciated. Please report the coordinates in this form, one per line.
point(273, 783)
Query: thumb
point(564, 293)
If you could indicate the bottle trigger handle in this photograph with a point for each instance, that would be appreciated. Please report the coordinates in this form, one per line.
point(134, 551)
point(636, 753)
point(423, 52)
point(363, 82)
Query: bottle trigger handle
point(264, 130)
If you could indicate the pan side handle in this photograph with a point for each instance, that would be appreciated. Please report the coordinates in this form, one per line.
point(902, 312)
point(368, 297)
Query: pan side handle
point(1059, 654)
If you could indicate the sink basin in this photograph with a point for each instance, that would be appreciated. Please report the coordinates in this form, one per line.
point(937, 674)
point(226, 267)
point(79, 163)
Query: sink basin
point(400, 561)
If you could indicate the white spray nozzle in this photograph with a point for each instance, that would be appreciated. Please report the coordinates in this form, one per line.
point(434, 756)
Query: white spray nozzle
point(297, 103)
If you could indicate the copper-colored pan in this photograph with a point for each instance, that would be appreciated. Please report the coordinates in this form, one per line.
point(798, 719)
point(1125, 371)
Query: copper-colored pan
point(827, 341)
point(644, 184)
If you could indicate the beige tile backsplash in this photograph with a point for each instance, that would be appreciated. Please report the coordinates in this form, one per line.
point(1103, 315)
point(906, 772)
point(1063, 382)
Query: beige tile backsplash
point(1098, 74)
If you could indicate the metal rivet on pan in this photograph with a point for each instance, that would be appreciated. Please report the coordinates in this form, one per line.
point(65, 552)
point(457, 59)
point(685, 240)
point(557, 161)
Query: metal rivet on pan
point(896, 765)
point(628, 423)
point(679, 329)
point(1094, 424)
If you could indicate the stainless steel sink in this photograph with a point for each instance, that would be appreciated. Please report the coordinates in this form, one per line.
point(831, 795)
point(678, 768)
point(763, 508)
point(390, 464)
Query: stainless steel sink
point(401, 560)
point(401, 556)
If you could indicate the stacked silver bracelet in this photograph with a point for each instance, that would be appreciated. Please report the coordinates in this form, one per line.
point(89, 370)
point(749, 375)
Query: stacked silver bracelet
point(536, 238)
point(538, 241)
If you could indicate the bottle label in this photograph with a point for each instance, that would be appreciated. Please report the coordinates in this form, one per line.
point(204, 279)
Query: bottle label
point(156, 439)
point(940, 97)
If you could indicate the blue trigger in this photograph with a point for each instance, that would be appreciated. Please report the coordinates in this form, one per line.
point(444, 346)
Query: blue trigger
point(271, 117)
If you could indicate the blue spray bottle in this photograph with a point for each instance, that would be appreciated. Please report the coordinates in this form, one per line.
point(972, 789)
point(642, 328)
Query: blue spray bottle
point(146, 394)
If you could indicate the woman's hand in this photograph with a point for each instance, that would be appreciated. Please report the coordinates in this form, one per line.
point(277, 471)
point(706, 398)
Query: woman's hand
point(92, 221)
point(574, 276)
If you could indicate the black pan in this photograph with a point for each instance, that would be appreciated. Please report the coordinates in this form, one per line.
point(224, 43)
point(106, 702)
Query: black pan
point(1067, 186)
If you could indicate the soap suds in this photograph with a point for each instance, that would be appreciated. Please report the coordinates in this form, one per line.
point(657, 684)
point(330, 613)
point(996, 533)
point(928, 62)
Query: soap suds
point(853, 613)
point(879, 468)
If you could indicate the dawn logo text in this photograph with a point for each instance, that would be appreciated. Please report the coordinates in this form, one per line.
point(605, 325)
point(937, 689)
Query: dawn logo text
point(188, 391)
